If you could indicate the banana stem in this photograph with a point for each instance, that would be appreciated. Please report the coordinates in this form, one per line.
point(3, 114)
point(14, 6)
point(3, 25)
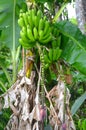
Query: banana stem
point(59, 12)
point(42, 73)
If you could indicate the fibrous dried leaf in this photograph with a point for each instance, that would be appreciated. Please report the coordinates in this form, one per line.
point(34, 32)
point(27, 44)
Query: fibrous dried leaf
point(36, 126)
point(35, 114)
point(28, 112)
point(6, 100)
point(12, 96)
point(25, 80)
point(25, 109)
point(57, 97)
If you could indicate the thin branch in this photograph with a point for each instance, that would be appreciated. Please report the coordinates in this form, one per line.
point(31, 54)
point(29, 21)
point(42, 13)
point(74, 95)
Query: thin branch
point(39, 78)
point(59, 12)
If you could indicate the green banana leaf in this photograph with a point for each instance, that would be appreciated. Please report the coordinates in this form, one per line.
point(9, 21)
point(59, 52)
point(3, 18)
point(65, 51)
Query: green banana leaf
point(2, 87)
point(8, 23)
point(9, 28)
point(73, 45)
point(3, 66)
point(78, 103)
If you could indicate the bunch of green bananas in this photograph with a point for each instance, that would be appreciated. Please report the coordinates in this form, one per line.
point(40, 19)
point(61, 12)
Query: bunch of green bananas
point(52, 55)
point(34, 28)
point(56, 39)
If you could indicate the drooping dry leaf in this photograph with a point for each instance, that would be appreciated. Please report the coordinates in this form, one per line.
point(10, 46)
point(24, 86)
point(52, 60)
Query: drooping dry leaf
point(12, 123)
point(12, 96)
point(25, 80)
point(25, 109)
point(35, 114)
point(6, 100)
point(20, 97)
point(23, 95)
point(25, 101)
point(57, 97)
point(36, 126)
point(21, 73)
point(28, 126)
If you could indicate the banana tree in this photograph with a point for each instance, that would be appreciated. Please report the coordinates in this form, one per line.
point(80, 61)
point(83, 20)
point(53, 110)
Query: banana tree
point(62, 42)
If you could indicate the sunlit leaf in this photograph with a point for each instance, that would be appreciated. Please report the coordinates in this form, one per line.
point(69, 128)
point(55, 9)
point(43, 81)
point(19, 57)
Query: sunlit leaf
point(73, 45)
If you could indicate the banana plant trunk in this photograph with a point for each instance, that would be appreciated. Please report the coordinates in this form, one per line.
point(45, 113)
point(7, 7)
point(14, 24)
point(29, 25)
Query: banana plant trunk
point(81, 14)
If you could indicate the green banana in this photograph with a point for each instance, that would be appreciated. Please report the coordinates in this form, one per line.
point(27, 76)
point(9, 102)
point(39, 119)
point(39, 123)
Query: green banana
point(37, 18)
point(39, 14)
point(33, 13)
point(24, 44)
point(53, 43)
point(47, 26)
point(27, 13)
point(46, 59)
point(35, 32)
point(50, 54)
point(30, 35)
point(25, 19)
point(28, 26)
point(55, 32)
point(56, 41)
point(45, 18)
point(41, 33)
point(30, 22)
point(24, 30)
point(58, 52)
point(44, 41)
point(21, 13)
point(36, 22)
point(41, 24)
point(23, 36)
point(45, 36)
point(21, 22)
point(54, 54)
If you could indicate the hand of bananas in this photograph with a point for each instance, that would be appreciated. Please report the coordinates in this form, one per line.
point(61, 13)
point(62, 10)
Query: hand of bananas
point(56, 38)
point(34, 27)
point(52, 55)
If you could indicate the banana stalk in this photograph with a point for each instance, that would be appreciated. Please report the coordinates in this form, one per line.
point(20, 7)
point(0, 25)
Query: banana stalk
point(42, 74)
point(29, 63)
